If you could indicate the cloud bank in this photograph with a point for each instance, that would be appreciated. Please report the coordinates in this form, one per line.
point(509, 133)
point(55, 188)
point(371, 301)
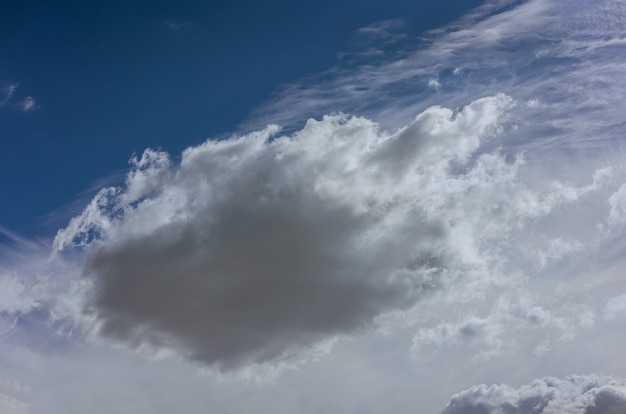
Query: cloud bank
point(575, 394)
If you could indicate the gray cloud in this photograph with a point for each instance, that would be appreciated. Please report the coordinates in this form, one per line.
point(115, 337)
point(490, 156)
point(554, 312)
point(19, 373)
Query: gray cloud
point(547, 52)
point(257, 246)
point(575, 394)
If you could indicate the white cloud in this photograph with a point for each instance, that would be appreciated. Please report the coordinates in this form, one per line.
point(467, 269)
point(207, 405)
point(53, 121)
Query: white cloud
point(558, 249)
point(8, 92)
point(177, 25)
point(515, 321)
point(28, 104)
point(14, 297)
point(617, 202)
point(228, 257)
point(434, 83)
point(255, 246)
point(491, 238)
point(615, 306)
point(575, 394)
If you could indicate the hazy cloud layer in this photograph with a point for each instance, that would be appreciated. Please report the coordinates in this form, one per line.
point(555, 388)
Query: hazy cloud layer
point(575, 394)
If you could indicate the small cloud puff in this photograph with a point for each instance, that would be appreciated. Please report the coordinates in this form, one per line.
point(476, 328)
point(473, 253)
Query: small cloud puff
point(28, 104)
point(434, 83)
point(575, 395)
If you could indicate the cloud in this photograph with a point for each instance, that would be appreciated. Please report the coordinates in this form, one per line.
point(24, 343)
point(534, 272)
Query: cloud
point(383, 30)
point(537, 51)
point(11, 405)
point(434, 83)
point(489, 239)
point(385, 89)
point(177, 25)
point(515, 321)
point(8, 92)
point(257, 246)
point(615, 306)
point(575, 394)
point(14, 297)
point(617, 202)
point(28, 104)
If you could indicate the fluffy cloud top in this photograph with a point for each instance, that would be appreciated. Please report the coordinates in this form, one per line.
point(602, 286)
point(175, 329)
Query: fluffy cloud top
point(575, 394)
point(256, 246)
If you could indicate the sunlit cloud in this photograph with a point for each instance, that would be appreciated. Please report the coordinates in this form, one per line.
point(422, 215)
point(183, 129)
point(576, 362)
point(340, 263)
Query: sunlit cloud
point(8, 92)
point(450, 214)
point(257, 245)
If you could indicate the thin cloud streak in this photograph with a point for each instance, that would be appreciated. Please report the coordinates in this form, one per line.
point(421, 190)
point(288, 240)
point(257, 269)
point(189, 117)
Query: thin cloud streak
point(8, 91)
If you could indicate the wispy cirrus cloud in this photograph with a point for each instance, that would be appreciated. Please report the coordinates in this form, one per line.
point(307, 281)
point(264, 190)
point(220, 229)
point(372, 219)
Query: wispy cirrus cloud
point(8, 92)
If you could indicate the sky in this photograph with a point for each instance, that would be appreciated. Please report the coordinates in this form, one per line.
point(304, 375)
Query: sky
point(399, 206)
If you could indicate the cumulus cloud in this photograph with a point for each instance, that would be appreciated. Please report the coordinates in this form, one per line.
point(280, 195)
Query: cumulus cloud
point(531, 46)
point(590, 394)
point(259, 245)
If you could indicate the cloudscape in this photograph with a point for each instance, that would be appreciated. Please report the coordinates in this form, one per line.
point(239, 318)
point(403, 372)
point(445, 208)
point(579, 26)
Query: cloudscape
point(421, 209)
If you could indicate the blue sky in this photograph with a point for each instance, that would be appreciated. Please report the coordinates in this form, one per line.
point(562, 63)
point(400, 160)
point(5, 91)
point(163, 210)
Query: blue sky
point(326, 207)
point(113, 78)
